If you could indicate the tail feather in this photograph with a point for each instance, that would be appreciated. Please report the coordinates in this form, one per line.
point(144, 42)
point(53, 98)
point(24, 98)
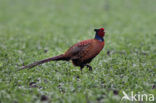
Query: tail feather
point(56, 58)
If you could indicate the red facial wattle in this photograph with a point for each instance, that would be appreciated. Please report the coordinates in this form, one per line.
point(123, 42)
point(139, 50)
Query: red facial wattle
point(101, 32)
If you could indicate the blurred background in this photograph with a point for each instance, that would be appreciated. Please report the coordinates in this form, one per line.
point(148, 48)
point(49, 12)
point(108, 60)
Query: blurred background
point(31, 30)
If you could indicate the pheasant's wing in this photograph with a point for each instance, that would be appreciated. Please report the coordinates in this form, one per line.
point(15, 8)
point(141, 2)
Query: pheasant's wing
point(78, 50)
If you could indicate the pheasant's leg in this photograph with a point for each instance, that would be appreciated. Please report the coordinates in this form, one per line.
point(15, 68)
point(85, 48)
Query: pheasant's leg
point(88, 66)
point(81, 67)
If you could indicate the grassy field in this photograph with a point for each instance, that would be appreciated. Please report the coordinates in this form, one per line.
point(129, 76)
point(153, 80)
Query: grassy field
point(32, 30)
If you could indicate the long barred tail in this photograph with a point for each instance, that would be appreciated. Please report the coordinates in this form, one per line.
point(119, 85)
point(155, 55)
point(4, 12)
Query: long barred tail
point(56, 58)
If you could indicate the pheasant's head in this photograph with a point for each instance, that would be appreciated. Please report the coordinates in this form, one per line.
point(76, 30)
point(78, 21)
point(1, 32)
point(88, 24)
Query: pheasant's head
point(100, 32)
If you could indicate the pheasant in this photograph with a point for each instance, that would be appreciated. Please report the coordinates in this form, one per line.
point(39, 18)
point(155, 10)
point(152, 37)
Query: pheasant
point(81, 54)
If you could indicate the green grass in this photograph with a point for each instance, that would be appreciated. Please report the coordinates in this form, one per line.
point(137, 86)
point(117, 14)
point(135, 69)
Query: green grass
point(28, 28)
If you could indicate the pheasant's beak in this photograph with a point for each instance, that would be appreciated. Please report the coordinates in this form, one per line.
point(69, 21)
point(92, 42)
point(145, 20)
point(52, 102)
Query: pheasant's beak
point(96, 30)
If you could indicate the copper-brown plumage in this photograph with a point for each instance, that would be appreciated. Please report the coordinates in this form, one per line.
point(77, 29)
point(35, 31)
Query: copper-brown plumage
point(81, 54)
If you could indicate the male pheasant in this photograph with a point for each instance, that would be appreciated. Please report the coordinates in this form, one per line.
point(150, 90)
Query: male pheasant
point(81, 54)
